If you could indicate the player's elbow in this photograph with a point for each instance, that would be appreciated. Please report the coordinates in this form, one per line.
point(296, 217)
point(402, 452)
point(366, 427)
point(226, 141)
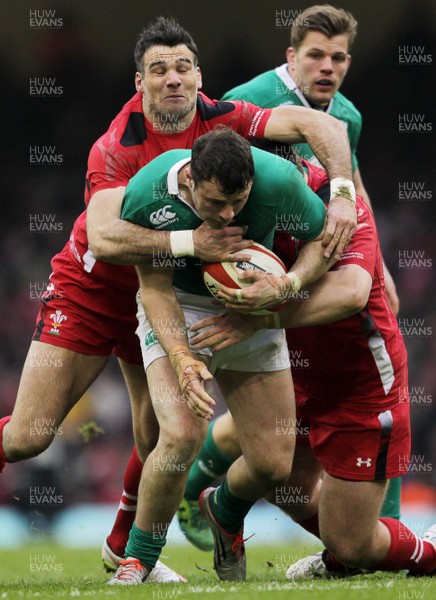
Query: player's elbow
point(356, 298)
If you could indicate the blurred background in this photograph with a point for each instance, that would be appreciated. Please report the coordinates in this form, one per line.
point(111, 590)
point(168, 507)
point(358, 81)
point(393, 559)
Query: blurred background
point(83, 52)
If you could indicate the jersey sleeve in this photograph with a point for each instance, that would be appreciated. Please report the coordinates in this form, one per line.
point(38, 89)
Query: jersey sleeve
point(362, 250)
point(302, 211)
point(252, 119)
point(354, 131)
point(108, 167)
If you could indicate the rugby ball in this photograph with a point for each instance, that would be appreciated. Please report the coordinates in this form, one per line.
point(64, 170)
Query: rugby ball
point(227, 273)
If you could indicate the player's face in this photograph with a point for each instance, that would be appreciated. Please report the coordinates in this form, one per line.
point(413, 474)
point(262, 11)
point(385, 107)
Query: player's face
point(319, 66)
point(169, 85)
point(216, 208)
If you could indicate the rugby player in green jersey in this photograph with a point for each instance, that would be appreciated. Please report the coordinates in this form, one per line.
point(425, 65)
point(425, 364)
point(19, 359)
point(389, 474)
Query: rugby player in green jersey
point(226, 181)
point(316, 64)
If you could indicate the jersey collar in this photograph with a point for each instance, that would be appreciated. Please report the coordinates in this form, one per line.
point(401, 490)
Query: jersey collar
point(173, 182)
point(283, 74)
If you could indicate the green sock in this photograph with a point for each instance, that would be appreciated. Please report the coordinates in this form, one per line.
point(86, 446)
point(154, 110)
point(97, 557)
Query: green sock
point(229, 510)
point(146, 547)
point(208, 466)
point(391, 505)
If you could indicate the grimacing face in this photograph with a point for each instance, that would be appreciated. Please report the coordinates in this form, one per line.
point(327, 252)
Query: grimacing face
point(319, 66)
point(216, 208)
point(169, 84)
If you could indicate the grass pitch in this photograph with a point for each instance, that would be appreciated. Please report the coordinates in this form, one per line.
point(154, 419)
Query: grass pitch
point(46, 571)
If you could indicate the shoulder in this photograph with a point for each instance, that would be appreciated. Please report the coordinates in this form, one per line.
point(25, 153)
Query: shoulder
point(265, 83)
point(344, 109)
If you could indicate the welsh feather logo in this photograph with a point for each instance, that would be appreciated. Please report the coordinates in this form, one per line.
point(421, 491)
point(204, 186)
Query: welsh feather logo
point(57, 319)
point(162, 216)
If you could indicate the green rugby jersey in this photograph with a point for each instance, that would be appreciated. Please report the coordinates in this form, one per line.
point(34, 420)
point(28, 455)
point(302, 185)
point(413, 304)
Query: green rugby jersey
point(276, 87)
point(279, 196)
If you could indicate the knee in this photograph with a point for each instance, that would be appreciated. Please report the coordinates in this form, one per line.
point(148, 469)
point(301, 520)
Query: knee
point(349, 552)
point(272, 474)
point(23, 444)
point(184, 444)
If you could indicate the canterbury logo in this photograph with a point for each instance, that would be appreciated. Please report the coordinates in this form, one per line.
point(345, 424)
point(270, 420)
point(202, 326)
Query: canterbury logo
point(163, 214)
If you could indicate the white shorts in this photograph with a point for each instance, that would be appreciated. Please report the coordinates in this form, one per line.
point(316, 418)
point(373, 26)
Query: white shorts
point(265, 350)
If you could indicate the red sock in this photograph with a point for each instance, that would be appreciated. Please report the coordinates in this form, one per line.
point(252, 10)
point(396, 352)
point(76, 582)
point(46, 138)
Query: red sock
point(311, 525)
point(119, 535)
point(407, 551)
point(3, 459)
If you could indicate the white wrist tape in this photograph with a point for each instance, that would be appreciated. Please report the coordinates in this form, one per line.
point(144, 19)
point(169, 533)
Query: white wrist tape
point(182, 243)
point(339, 186)
point(295, 281)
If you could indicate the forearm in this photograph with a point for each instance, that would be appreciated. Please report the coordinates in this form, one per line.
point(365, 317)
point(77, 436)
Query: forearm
point(311, 263)
point(124, 243)
point(326, 136)
point(337, 295)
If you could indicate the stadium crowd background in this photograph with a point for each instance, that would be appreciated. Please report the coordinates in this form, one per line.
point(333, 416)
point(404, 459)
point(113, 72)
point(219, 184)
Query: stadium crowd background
point(62, 85)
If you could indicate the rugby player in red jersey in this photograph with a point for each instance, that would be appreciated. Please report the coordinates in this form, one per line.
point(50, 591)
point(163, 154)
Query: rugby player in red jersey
point(88, 311)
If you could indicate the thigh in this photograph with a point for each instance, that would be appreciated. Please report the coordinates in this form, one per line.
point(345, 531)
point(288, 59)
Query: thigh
point(52, 381)
point(263, 408)
point(349, 509)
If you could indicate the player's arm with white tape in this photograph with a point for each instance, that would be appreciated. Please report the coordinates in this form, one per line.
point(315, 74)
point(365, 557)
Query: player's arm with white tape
point(165, 315)
point(116, 240)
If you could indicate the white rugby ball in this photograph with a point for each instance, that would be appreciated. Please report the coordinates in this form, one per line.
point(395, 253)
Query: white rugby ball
point(227, 273)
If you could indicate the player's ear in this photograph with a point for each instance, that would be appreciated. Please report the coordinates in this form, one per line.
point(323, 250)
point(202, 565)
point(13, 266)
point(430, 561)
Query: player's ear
point(290, 57)
point(138, 82)
point(199, 78)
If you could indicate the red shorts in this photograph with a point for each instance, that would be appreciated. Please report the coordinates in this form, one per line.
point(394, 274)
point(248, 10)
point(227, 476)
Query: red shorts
point(356, 445)
point(84, 315)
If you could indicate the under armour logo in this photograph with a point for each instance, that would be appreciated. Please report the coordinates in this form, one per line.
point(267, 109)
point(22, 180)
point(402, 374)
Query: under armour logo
point(361, 462)
point(163, 214)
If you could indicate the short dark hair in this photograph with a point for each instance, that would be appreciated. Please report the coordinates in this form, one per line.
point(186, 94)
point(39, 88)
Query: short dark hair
point(327, 20)
point(224, 157)
point(163, 32)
